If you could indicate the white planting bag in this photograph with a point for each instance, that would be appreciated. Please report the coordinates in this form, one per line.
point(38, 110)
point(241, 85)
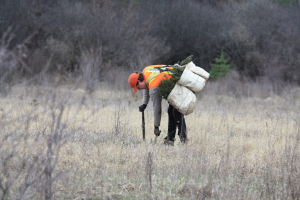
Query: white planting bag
point(183, 99)
point(197, 70)
point(191, 80)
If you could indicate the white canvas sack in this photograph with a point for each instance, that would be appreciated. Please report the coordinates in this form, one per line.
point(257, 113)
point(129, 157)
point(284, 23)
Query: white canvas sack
point(191, 80)
point(183, 99)
point(197, 70)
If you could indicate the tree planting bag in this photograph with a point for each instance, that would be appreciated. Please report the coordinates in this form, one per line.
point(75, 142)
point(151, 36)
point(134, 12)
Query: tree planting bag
point(183, 99)
point(197, 70)
point(191, 80)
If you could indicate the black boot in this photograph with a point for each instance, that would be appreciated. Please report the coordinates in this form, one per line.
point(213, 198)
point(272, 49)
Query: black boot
point(168, 141)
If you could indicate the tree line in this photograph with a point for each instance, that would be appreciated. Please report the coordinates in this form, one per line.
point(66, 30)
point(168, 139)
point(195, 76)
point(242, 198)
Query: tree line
point(259, 37)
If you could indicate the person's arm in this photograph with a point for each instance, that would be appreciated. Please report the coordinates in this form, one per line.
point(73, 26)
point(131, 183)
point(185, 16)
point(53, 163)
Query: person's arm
point(156, 106)
point(146, 96)
point(145, 100)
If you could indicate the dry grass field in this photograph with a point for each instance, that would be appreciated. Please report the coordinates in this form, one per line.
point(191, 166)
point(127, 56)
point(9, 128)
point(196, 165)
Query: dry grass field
point(73, 145)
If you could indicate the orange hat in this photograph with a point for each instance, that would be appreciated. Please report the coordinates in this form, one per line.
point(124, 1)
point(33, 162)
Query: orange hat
point(132, 80)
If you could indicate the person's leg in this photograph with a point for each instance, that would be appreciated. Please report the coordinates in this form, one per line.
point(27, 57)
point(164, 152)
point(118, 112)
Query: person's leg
point(171, 124)
point(183, 131)
point(180, 121)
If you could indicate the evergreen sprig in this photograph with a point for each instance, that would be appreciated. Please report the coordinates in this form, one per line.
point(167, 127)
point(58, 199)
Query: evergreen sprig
point(177, 71)
point(167, 85)
point(186, 61)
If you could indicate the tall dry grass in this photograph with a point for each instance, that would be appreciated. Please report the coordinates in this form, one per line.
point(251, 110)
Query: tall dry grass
point(239, 148)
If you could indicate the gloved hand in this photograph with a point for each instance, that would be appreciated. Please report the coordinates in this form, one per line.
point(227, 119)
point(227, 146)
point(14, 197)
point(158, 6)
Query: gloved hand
point(142, 107)
point(156, 131)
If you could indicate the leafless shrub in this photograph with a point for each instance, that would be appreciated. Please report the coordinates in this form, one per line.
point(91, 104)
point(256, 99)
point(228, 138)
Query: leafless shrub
point(7, 58)
point(13, 62)
point(262, 31)
point(91, 66)
point(189, 28)
point(27, 171)
point(66, 27)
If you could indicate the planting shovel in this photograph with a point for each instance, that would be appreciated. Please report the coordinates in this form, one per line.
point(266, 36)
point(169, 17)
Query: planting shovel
point(143, 125)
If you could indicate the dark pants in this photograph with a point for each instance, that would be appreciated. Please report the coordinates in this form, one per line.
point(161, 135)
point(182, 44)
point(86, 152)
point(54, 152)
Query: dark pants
point(176, 119)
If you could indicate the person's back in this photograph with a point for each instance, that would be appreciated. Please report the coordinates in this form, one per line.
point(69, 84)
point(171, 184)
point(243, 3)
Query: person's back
point(154, 74)
point(149, 80)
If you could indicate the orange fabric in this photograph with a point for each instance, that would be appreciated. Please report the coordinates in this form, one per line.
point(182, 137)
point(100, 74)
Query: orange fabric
point(154, 74)
point(156, 81)
point(132, 80)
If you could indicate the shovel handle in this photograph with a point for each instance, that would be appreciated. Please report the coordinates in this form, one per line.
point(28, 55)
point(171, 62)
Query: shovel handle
point(143, 125)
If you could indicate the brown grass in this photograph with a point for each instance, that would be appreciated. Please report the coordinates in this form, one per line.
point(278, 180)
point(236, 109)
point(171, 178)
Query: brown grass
point(239, 148)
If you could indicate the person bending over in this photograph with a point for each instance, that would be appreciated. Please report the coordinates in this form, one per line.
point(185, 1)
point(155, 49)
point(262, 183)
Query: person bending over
point(149, 81)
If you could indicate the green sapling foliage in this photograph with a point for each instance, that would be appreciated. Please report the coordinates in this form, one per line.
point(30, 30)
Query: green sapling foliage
point(221, 67)
point(186, 61)
point(167, 85)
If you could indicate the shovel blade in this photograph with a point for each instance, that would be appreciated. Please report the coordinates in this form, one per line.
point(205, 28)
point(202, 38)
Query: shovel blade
point(143, 125)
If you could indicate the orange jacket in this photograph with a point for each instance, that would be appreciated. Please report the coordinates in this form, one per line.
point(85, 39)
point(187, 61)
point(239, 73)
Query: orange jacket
point(155, 73)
